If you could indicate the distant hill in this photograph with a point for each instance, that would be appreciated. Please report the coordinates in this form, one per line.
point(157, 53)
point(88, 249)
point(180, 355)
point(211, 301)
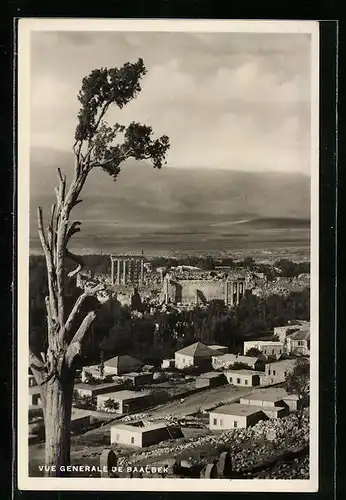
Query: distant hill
point(177, 209)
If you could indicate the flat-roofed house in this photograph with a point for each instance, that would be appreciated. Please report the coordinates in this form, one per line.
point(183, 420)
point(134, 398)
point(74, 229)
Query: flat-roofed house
point(299, 342)
point(34, 396)
point(266, 347)
point(94, 390)
point(242, 378)
point(276, 372)
point(282, 331)
point(211, 379)
point(32, 380)
point(143, 434)
point(113, 366)
point(139, 378)
point(272, 400)
point(195, 355)
point(226, 361)
point(129, 401)
point(235, 416)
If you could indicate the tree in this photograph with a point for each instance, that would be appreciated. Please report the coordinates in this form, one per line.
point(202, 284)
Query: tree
point(298, 382)
point(256, 353)
point(110, 404)
point(102, 363)
point(97, 145)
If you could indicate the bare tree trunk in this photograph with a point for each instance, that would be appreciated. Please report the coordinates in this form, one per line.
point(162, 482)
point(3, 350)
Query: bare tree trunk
point(58, 406)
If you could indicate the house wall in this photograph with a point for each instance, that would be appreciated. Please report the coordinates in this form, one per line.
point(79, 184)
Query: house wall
point(140, 379)
point(32, 381)
point(211, 382)
point(34, 399)
point(128, 405)
point(283, 331)
point(127, 437)
point(276, 373)
point(268, 349)
point(242, 380)
point(154, 436)
point(79, 424)
point(219, 421)
point(220, 362)
point(276, 412)
point(182, 361)
point(298, 346)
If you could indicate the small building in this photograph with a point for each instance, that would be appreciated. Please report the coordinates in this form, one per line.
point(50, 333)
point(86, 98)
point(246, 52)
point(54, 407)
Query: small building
point(139, 378)
point(276, 372)
point(195, 355)
point(266, 347)
point(299, 342)
point(242, 378)
point(235, 416)
point(226, 361)
point(142, 435)
point(121, 364)
point(273, 401)
point(129, 401)
point(113, 366)
point(222, 349)
point(34, 396)
point(211, 379)
point(283, 331)
point(79, 422)
point(95, 390)
point(167, 363)
point(32, 381)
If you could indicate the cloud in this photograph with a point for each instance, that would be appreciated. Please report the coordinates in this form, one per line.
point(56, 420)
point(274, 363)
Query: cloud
point(226, 100)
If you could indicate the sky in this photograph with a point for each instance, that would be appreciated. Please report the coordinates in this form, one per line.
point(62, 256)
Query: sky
point(238, 101)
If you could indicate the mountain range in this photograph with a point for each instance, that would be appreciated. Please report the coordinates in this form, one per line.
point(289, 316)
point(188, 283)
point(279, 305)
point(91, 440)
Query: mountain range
point(177, 209)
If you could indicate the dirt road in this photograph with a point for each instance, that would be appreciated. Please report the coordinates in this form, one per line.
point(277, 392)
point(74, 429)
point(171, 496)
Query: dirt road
point(201, 400)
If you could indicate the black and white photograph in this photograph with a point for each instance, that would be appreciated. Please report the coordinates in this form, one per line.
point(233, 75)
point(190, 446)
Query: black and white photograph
point(168, 255)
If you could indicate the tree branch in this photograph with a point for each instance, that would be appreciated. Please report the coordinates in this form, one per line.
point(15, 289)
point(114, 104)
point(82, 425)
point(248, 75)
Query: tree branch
point(78, 305)
point(75, 346)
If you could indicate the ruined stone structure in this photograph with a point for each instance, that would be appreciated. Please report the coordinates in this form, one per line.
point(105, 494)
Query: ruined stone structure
point(202, 291)
point(127, 269)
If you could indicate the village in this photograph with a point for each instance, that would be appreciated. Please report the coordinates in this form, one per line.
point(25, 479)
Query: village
point(139, 413)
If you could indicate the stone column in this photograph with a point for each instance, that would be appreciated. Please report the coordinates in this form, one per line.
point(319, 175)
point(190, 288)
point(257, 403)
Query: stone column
point(226, 293)
point(232, 293)
point(118, 271)
point(142, 271)
point(124, 272)
point(112, 270)
point(238, 289)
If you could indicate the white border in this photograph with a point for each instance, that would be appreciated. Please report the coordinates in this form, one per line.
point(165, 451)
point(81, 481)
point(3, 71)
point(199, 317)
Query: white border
point(25, 27)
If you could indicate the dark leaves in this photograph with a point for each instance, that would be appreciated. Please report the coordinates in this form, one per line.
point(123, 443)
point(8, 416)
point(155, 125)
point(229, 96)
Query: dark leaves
point(103, 87)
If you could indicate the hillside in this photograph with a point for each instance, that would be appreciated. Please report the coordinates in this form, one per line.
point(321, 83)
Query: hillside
point(178, 209)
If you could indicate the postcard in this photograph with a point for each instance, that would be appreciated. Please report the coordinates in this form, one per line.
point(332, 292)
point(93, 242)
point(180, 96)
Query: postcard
point(168, 252)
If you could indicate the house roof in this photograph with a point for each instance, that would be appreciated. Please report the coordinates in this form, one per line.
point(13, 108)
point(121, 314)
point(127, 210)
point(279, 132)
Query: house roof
point(238, 358)
point(122, 362)
point(197, 350)
point(92, 387)
point(216, 347)
point(211, 375)
point(140, 429)
point(124, 395)
point(300, 335)
point(237, 409)
point(136, 374)
point(282, 363)
point(244, 372)
point(271, 394)
point(263, 342)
